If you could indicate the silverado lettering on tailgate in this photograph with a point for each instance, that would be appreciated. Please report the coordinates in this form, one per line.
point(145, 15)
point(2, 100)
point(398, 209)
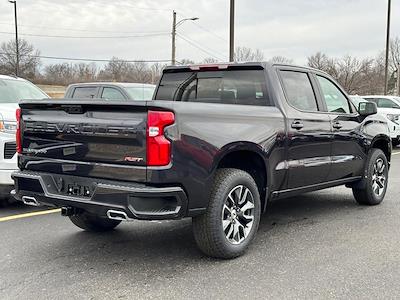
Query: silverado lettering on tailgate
point(85, 129)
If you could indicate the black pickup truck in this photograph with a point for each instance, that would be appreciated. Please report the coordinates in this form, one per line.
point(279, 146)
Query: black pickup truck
point(216, 144)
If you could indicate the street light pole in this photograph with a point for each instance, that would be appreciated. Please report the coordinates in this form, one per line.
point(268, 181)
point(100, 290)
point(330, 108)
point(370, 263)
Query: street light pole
point(387, 47)
point(174, 26)
point(232, 32)
point(16, 37)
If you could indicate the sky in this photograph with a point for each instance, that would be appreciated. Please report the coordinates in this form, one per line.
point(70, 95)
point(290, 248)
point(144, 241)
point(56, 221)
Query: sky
point(141, 30)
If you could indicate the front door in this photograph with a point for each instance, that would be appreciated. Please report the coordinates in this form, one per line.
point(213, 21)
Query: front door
point(347, 148)
point(309, 132)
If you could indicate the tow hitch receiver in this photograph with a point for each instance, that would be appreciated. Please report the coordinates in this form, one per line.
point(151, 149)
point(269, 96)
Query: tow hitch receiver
point(68, 211)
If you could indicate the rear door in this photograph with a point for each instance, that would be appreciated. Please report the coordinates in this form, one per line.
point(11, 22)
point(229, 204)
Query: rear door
point(347, 148)
point(309, 131)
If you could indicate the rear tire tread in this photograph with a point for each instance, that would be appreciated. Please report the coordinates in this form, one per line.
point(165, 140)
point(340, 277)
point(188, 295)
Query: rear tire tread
point(93, 223)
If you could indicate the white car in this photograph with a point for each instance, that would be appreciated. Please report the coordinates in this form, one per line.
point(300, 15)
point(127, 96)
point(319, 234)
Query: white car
point(390, 106)
point(12, 90)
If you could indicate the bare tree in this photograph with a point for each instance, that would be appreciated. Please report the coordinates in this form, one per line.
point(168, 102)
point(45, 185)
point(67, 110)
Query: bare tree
point(394, 54)
point(186, 62)
point(29, 60)
point(62, 74)
point(281, 60)
point(139, 72)
point(85, 72)
point(115, 70)
point(156, 72)
point(210, 60)
point(318, 61)
point(244, 54)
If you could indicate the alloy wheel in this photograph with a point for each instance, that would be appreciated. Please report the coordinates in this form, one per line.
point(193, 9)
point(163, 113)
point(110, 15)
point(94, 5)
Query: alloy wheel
point(238, 214)
point(379, 177)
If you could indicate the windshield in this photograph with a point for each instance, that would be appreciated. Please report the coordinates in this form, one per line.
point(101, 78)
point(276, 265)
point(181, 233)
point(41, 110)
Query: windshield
point(140, 93)
point(12, 91)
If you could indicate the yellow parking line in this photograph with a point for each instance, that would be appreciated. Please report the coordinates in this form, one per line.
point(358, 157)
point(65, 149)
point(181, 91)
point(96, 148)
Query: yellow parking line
point(28, 215)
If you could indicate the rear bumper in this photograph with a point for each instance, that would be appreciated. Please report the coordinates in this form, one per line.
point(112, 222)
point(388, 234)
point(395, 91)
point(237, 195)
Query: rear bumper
point(104, 197)
point(5, 177)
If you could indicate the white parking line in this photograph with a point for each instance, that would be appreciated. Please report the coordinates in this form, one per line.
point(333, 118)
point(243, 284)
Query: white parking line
point(396, 153)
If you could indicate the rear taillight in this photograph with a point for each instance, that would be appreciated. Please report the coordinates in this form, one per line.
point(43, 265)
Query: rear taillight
point(18, 132)
point(158, 147)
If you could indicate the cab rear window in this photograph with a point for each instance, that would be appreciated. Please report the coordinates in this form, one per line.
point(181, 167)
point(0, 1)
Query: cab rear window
point(242, 87)
point(85, 92)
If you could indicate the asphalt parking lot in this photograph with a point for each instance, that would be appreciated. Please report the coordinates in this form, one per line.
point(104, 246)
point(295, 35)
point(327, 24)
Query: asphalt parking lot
point(318, 246)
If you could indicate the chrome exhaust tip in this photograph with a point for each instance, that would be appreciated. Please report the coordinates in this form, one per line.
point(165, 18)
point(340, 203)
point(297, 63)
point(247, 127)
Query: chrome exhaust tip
point(31, 201)
point(118, 215)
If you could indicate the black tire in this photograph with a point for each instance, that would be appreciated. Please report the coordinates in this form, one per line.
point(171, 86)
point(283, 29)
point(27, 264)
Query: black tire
point(395, 142)
point(366, 195)
point(93, 223)
point(208, 228)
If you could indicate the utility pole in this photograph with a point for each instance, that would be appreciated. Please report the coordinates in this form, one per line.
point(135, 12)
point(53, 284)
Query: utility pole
point(232, 33)
point(16, 37)
point(387, 47)
point(173, 60)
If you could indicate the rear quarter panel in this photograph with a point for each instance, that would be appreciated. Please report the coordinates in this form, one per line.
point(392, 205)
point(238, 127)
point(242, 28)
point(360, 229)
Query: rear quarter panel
point(204, 133)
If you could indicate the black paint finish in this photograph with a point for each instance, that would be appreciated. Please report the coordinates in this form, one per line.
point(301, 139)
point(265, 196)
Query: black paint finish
point(93, 142)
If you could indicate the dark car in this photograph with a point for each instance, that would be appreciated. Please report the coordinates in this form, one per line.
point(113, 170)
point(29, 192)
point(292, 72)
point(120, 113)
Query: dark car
point(111, 91)
point(217, 143)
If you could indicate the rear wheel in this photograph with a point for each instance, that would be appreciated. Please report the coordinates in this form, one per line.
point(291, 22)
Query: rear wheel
point(395, 142)
point(232, 217)
point(93, 223)
point(375, 181)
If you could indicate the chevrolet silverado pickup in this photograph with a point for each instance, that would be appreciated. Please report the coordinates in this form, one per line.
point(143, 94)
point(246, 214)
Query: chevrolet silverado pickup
point(216, 144)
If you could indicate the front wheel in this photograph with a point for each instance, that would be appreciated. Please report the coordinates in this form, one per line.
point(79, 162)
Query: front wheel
point(375, 181)
point(93, 223)
point(232, 217)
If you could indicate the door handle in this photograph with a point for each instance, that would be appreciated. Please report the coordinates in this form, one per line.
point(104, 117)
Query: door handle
point(337, 125)
point(297, 125)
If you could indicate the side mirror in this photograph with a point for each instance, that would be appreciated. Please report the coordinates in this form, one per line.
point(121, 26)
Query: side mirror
point(366, 109)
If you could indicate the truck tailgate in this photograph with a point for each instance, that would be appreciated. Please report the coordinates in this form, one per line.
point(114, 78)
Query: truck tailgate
point(85, 138)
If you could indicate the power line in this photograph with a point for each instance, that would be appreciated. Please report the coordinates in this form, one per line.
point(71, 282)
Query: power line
point(194, 44)
point(149, 8)
point(94, 59)
point(209, 31)
point(82, 30)
point(206, 29)
point(90, 37)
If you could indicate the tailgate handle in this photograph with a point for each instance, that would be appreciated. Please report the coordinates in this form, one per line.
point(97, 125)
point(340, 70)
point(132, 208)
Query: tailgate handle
point(72, 109)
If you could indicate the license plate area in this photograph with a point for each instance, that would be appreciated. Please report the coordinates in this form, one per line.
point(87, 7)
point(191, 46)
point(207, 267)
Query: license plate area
point(74, 189)
point(69, 186)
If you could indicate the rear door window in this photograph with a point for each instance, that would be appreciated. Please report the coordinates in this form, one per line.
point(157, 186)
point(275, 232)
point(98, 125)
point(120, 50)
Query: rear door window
point(85, 92)
point(243, 87)
point(299, 91)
